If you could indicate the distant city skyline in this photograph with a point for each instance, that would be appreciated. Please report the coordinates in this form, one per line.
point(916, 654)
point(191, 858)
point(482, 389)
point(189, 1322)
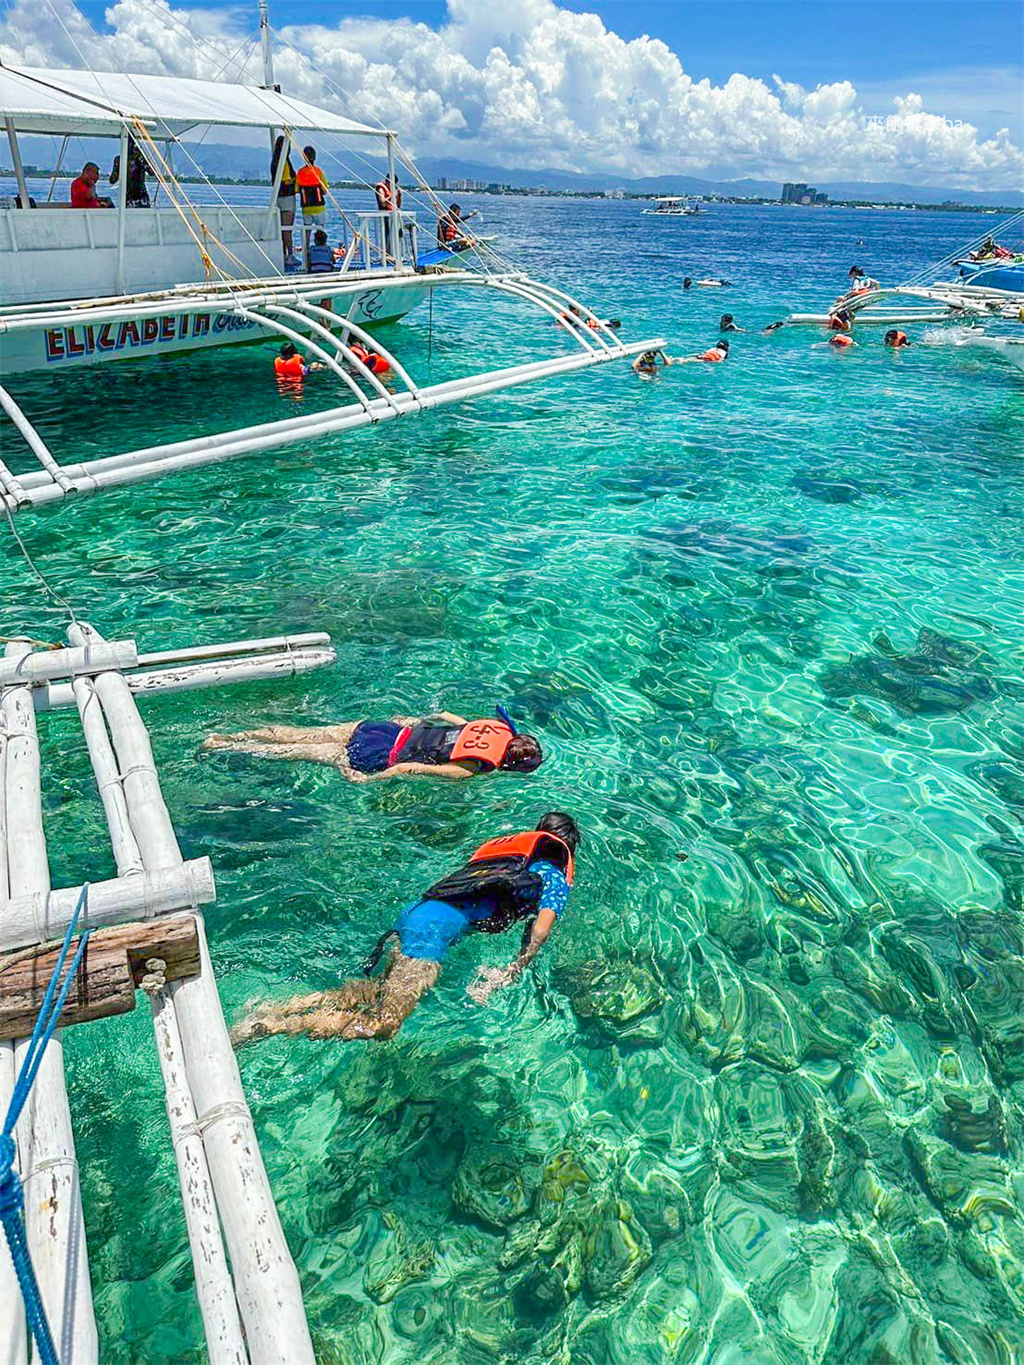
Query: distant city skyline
point(920, 92)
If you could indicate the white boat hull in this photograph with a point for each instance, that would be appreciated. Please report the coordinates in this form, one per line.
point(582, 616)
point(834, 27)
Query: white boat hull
point(81, 343)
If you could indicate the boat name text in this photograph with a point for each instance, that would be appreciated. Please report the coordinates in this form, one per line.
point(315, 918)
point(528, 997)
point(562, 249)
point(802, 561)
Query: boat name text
point(90, 338)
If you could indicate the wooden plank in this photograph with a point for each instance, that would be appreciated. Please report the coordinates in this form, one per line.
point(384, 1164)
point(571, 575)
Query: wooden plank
point(112, 967)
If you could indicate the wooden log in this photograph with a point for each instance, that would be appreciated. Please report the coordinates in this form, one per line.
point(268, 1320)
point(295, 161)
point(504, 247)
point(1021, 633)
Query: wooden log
point(55, 1228)
point(43, 665)
point(28, 920)
point(113, 965)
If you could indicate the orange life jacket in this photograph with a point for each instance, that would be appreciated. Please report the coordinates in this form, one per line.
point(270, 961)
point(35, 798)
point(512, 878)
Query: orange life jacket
point(310, 180)
point(838, 324)
point(449, 230)
point(527, 846)
point(714, 355)
point(382, 190)
point(290, 368)
point(500, 870)
point(841, 340)
point(376, 364)
point(900, 339)
point(485, 740)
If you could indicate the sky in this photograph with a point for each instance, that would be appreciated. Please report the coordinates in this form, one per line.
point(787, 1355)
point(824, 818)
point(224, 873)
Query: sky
point(925, 92)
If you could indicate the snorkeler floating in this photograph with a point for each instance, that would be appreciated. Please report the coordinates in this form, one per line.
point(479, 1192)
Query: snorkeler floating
point(646, 365)
point(442, 745)
point(518, 877)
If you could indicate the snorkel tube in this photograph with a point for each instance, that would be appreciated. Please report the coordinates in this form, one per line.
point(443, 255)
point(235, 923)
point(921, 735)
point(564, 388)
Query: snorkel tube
point(502, 714)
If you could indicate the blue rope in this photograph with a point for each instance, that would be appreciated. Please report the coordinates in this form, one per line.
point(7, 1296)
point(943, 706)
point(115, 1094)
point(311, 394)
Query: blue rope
point(12, 1198)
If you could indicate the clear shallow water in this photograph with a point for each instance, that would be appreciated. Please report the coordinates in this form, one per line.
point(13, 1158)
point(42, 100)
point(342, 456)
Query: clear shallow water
point(764, 1104)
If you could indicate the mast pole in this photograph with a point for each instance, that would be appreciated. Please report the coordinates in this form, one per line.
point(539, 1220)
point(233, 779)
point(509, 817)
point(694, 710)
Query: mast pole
point(268, 55)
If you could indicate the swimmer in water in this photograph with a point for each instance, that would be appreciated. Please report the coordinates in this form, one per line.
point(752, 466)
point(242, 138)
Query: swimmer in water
point(647, 363)
point(715, 355)
point(727, 323)
point(841, 341)
point(687, 283)
point(516, 879)
point(896, 339)
point(441, 745)
point(715, 284)
point(289, 367)
point(772, 327)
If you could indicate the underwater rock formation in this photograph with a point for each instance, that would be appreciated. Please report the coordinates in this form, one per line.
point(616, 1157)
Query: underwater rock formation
point(622, 999)
point(942, 676)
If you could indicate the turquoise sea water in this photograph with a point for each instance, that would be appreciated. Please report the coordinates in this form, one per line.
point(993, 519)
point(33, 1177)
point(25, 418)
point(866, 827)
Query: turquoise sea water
point(762, 1097)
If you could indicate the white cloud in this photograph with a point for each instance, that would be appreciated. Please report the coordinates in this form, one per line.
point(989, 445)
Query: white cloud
point(532, 84)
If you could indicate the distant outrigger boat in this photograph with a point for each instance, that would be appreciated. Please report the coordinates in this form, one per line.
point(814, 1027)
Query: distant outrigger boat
point(80, 287)
point(989, 291)
point(675, 206)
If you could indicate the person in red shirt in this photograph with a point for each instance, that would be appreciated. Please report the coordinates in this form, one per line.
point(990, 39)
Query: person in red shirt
point(83, 190)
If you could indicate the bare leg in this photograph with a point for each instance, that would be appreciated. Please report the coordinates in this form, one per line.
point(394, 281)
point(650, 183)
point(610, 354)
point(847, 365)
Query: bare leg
point(294, 1015)
point(311, 744)
point(403, 985)
point(360, 1009)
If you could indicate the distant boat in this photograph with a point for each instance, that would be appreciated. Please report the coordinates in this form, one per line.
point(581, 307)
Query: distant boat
point(674, 206)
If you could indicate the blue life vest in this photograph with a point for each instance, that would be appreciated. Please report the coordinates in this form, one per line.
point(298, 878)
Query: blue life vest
point(321, 259)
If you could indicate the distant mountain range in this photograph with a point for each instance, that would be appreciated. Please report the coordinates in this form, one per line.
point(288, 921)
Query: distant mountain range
point(247, 162)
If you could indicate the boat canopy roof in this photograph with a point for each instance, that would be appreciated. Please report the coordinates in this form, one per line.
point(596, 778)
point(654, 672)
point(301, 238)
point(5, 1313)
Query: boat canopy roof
point(38, 100)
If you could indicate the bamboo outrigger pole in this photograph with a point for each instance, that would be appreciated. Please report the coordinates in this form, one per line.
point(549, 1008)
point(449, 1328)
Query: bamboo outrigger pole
point(54, 1224)
point(266, 1283)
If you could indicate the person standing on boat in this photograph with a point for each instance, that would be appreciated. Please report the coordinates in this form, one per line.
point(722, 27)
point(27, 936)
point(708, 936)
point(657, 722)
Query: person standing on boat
point(515, 879)
point(388, 194)
point(313, 186)
point(285, 198)
point(441, 745)
point(83, 190)
point(138, 168)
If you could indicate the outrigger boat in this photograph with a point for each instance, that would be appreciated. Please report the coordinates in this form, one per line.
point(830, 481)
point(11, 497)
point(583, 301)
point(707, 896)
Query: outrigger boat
point(675, 206)
point(982, 290)
point(81, 287)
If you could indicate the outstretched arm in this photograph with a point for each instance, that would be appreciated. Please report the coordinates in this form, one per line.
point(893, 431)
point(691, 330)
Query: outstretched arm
point(450, 770)
point(491, 979)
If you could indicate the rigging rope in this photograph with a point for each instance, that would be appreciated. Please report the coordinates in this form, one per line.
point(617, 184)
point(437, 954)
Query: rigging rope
point(12, 1195)
point(38, 573)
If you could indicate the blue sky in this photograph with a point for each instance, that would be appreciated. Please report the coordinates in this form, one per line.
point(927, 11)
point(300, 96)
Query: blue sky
point(514, 82)
point(809, 41)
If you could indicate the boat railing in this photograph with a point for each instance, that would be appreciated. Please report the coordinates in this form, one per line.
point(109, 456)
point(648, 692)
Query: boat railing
point(369, 241)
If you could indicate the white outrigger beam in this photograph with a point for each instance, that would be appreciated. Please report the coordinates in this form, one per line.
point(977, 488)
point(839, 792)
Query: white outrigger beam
point(248, 1289)
point(297, 314)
